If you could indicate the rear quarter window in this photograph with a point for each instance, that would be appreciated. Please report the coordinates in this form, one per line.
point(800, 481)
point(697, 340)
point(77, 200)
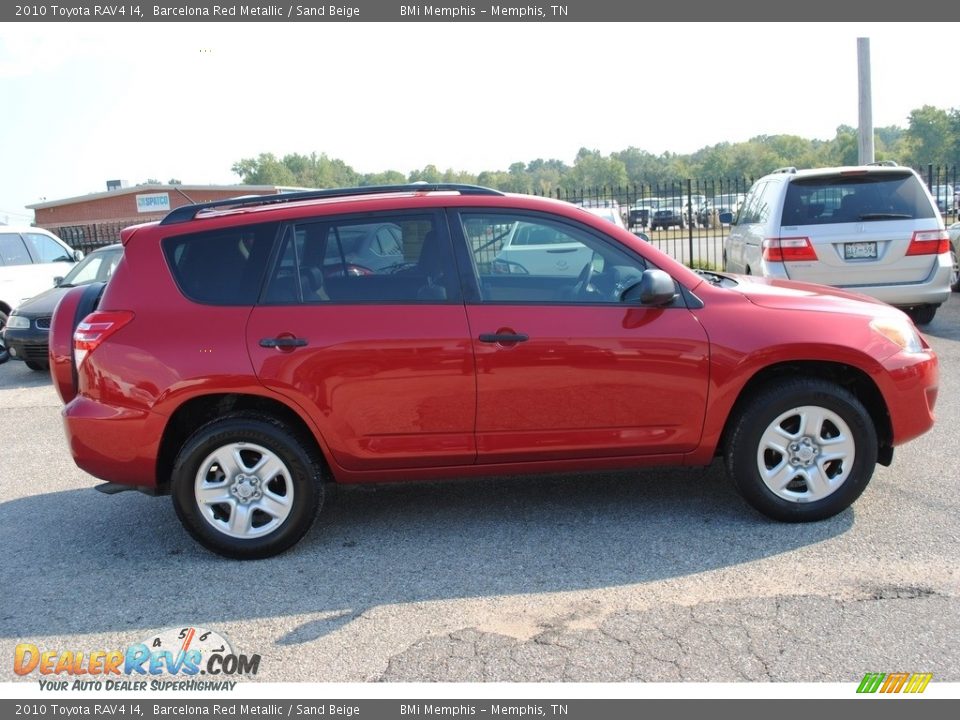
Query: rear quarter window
point(855, 198)
point(221, 267)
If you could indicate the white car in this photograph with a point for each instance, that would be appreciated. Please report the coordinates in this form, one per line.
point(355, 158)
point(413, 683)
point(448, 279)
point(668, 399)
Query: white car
point(30, 259)
point(871, 229)
point(611, 214)
point(541, 249)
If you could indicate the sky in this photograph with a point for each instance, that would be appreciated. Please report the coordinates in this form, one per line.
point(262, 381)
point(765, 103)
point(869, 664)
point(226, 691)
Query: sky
point(85, 103)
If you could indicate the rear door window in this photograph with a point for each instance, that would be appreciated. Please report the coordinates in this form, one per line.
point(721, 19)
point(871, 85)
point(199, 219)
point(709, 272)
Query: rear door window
point(855, 198)
point(12, 250)
point(392, 259)
point(221, 267)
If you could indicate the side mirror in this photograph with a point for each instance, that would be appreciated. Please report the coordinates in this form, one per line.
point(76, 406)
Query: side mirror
point(643, 236)
point(57, 281)
point(78, 255)
point(654, 288)
point(726, 218)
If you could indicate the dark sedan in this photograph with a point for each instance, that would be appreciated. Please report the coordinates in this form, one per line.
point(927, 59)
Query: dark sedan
point(28, 327)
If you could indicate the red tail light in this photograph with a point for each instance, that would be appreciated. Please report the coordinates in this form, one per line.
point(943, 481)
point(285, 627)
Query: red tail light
point(94, 329)
point(929, 242)
point(788, 249)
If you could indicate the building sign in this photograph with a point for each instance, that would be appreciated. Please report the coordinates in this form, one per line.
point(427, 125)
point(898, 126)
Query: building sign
point(153, 202)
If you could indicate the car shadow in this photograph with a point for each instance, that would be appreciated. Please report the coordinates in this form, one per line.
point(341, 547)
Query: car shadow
point(945, 324)
point(123, 562)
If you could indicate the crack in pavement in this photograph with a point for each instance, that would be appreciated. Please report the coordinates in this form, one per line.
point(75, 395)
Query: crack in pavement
point(798, 638)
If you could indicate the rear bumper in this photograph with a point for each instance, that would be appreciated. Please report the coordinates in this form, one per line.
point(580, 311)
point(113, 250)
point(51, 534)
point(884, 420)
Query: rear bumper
point(116, 444)
point(932, 290)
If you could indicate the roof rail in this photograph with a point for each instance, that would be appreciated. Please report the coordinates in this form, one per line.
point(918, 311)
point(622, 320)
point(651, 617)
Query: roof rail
point(789, 170)
point(884, 163)
point(185, 213)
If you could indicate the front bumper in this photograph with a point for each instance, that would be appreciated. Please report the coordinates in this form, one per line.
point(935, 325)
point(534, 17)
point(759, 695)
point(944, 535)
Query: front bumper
point(27, 344)
point(909, 387)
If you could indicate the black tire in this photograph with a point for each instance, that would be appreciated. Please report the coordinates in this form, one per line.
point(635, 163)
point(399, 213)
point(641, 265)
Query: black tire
point(797, 501)
point(923, 315)
point(4, 355)
point(955, 272)
point(301, 479)
point(37, 366)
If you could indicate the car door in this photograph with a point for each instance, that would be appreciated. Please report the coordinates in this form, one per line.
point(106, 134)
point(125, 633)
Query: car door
point(564, 368)
point(381, 361)
point(20, 277)
point(53, 259)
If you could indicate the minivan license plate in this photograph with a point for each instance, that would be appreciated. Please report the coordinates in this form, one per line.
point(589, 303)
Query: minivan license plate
point(859, 250)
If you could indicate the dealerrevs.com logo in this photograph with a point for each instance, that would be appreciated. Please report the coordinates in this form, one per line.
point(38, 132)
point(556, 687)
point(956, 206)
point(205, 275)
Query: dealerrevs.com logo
point(909, 683)
point(198, 659)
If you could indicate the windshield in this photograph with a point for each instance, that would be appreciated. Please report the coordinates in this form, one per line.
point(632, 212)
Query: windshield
point(95, 266)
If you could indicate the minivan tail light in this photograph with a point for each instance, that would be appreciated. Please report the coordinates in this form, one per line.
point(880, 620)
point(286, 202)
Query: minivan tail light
point(94, 329)
point(929, 242)
point(788, 249)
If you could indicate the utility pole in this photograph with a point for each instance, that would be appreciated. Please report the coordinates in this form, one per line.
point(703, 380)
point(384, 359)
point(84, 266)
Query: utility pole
point(865, 153)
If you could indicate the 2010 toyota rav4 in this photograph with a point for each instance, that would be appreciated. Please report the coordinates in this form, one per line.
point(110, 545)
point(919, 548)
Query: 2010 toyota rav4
point(230, 363)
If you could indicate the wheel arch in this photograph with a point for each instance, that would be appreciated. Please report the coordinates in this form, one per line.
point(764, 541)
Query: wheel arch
point(847, 376)
point(201, 409)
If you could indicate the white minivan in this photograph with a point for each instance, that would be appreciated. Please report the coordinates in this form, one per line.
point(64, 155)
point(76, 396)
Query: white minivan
point(870, 229)
point(30, 260)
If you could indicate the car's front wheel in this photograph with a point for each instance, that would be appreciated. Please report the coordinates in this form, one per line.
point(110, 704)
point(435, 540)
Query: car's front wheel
point(802, 449)
point(246, 486)
point(4, 355)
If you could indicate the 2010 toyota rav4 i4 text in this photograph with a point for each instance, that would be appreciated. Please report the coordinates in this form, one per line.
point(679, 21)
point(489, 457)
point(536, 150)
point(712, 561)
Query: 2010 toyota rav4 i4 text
point(238, 360)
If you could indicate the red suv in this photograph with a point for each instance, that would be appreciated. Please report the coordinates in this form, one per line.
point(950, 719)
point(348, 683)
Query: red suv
point(239, 359)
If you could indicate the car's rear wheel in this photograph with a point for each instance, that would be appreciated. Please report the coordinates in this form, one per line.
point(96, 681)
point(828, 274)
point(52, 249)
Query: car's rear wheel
point(802, 450)
point(38, 366)
point(246, 486)
point(955, 271)
point(923, 314)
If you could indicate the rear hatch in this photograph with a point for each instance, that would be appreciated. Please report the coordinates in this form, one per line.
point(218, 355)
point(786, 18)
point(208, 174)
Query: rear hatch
point(861, 225)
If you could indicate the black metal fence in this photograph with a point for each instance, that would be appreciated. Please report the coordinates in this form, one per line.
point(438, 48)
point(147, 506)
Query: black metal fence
point(89, 237)
point(681, 218)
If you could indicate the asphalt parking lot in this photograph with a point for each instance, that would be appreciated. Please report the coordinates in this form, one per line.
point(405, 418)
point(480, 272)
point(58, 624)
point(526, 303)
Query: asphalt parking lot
point(657, 575)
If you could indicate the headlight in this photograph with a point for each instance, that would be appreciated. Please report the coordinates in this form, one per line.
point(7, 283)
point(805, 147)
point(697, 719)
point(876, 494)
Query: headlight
point(899, 332)
point(18, 321)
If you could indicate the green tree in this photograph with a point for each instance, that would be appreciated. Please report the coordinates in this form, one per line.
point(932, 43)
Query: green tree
point(591, 170)
point(389, 177)
point(931, 136)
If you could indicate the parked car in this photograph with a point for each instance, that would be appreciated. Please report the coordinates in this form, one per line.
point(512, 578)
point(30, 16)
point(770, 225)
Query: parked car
point(30, 258)
point(954, 233)
point(945, 198)
point(670, 213)
point(610, 214)
point(641, 213)
point(544, 250)
point(28, 326)
point(708, 215)
point(871, 229)
point(222, 367)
